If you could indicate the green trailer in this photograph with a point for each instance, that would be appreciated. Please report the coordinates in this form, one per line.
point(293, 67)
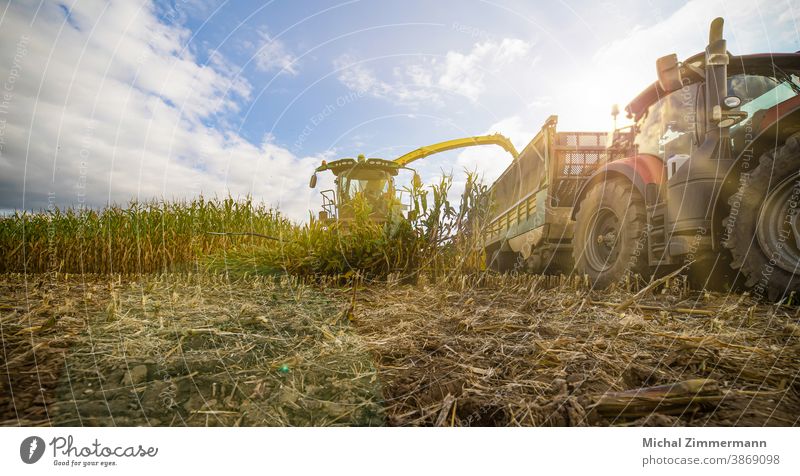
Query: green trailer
point(530, 226)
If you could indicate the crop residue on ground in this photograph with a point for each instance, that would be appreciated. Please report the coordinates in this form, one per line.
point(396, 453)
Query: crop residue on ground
point(182, 349)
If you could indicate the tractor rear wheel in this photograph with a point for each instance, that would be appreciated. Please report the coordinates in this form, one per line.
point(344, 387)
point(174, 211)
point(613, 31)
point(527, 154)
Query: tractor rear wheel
point(763, 227)
point(609, 241)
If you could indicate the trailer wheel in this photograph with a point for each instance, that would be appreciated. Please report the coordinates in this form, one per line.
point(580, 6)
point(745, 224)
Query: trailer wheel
point(763, 227)
point(610, 240)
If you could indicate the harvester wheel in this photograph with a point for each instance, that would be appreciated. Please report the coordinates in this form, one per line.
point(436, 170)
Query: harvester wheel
point(763, 227)
point(610, 240)
point(501, 261)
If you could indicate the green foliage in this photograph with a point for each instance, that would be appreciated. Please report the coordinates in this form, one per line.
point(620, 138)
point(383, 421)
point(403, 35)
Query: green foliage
point(429, 238)
point(140, 238)
point(433, 236)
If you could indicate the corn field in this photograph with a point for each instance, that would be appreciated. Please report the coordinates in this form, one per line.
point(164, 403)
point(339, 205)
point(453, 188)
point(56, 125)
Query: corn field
point(223, 235)
point(140, 238)
point(433, 237)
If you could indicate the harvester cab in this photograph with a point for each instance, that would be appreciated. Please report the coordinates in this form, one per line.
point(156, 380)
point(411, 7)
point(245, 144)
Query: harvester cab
point(371, 181)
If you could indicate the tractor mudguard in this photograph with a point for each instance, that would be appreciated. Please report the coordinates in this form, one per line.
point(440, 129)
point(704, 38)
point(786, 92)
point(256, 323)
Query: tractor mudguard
point(640, 169)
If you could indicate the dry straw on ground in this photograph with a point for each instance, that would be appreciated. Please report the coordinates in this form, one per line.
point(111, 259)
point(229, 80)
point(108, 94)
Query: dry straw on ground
point(174, 350)
point(464, 351)
point(509, 351)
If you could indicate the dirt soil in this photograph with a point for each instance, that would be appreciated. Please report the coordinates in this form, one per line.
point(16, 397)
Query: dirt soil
point(201, 350)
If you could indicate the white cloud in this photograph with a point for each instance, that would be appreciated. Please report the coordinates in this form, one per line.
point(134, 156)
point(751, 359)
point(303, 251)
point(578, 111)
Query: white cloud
point(273, 55)
point(430, 79)
point(412, 85)
point(419, 75)
point(115, 108)
point(464, 73)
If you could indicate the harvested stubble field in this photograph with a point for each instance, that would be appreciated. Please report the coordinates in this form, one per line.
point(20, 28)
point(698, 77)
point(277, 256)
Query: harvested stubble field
point(198, 349)
point(166, 350)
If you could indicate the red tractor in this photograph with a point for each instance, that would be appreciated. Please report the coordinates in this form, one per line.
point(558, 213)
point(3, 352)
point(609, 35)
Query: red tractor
point(713, 178)
point(707, 178)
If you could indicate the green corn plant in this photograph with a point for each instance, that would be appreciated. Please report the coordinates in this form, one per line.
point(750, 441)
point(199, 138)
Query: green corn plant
point(139, 238)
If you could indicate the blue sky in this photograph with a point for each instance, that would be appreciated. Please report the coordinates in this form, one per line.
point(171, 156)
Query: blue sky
point(137, 99)
point(318, 38)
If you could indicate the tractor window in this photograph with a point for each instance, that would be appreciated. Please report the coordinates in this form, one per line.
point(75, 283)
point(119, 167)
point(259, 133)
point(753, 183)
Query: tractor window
point(668, 127)
point(759, 93)
point(749, 87)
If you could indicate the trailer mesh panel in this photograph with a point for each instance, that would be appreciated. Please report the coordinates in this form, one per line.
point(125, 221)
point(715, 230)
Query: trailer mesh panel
point(578, 154)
